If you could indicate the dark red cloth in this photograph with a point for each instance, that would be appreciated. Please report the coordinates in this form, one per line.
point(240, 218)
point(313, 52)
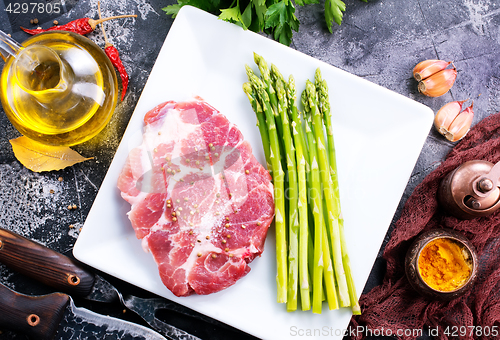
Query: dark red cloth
point(394, 304)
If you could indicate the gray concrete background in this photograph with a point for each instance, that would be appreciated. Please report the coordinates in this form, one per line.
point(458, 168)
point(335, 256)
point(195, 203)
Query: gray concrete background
point(381, 41)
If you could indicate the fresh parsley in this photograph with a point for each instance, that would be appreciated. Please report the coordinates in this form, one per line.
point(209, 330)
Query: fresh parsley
point(275, 17)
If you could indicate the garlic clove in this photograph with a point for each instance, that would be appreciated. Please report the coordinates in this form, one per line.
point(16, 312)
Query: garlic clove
point(446, 114)
point(438, 84)
point(461, 124)
point(427, 68)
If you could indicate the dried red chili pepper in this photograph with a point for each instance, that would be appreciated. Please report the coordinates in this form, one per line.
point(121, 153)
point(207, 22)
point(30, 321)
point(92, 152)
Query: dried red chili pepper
point(81, 26)
point(114, 56)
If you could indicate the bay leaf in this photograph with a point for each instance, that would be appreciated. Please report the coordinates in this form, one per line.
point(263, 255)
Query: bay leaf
point(39, 157)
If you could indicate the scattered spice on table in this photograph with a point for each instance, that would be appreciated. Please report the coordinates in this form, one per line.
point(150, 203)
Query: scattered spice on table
point(114, 56)
point(81, 26)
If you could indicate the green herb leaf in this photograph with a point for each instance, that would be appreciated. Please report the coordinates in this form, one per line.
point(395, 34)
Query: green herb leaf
point(233, 15)
point(172, 10)
point(246, 17)
point(230, 14)
point(283, 34)
point(275, 14)
point(282, 17)
point(294, 23)
point(333, 12)
point(260, 12)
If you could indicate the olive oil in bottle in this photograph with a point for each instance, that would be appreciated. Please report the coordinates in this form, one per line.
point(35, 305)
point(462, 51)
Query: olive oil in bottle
point(59, 89)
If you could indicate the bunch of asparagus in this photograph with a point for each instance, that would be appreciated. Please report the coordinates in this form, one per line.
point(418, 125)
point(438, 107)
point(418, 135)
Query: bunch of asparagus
point(312, 259)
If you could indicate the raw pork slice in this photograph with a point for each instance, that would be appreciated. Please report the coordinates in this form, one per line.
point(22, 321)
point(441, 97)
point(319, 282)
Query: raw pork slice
point(200, 201)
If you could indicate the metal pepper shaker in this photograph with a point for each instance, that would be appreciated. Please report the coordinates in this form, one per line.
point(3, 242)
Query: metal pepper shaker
point(471, 190)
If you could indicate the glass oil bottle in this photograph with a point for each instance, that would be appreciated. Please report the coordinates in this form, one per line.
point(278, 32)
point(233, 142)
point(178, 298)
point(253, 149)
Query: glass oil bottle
point(57, 88)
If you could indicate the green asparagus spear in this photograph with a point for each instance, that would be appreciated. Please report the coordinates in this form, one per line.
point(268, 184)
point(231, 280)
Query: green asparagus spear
point(310, 215)
point(278, 179)
point(326, 182)
point(292, 193)
point(302, 199)
point(324, 104)
point(317, 209)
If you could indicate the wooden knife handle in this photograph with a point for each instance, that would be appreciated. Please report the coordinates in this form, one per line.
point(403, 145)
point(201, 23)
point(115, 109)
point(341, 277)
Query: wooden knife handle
point(36, 316)
point(43, 264)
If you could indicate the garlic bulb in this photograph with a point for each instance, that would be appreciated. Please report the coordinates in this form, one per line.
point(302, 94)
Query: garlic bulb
point(434, 78)
point(452, 123)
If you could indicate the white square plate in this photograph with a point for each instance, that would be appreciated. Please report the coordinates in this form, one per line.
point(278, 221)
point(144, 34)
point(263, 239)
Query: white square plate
point(206, 57)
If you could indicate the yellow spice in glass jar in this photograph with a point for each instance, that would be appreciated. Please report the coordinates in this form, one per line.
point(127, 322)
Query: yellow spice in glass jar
point(444, 264)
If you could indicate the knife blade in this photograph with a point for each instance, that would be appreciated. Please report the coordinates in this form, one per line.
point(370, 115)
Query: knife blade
point(58, 271)
point(55, 316)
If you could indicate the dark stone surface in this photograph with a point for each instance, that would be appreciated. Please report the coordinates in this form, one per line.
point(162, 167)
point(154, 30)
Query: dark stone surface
point(381, 41)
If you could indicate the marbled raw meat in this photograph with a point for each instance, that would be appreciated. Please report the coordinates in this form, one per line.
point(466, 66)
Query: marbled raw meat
point(200, 201)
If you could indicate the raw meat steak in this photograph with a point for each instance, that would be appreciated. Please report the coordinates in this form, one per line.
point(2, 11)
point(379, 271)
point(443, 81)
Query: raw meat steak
point(200, 201)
